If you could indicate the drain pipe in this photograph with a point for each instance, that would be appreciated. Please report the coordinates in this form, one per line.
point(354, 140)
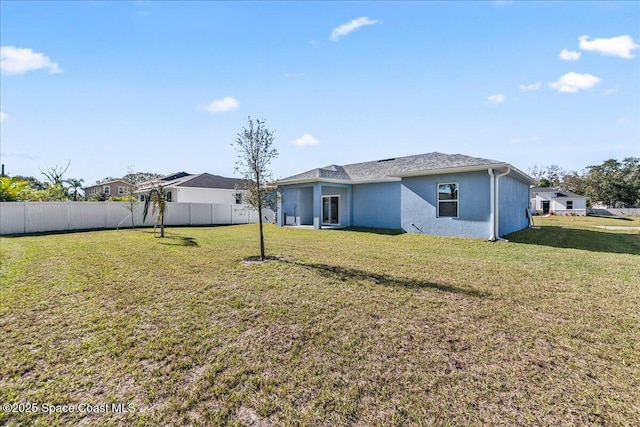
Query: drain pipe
point(497, 226)
point(492, 198)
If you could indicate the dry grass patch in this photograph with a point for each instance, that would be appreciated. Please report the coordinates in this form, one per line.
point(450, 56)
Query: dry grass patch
point(343, 328)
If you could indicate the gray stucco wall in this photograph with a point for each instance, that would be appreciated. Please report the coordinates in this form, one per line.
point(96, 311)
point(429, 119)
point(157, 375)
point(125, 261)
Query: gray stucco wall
point(298, 202)
point(377, 205)
point(514, 200)
point(419, 212)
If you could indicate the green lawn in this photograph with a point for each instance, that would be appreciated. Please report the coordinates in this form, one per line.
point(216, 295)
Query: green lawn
point(346, 328)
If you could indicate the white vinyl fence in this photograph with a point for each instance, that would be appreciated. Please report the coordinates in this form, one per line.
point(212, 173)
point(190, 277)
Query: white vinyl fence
point(35, 217)
point(616, 211)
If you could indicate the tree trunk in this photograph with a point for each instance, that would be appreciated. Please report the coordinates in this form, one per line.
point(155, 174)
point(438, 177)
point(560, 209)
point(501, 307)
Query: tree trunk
point(162, 226)
point(261, 234)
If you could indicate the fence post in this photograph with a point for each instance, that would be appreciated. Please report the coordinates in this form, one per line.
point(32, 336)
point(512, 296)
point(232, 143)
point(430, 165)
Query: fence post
point(231, 209)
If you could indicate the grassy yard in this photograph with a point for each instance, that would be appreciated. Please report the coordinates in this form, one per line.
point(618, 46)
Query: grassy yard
point(346, 328)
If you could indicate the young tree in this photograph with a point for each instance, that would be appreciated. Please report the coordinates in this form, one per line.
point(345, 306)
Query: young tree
point(255, 152)
point(157, 198)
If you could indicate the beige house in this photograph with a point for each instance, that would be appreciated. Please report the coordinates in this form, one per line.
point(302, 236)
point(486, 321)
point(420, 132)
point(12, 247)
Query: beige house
point(107, 189)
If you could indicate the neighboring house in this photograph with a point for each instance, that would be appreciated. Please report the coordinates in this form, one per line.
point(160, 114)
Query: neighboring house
point(433, 193)
point(549, 200)
point(106, 189)
point(199, 188)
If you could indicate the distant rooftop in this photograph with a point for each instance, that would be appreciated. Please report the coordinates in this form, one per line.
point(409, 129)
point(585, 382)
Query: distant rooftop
point(559, 192)
point(202, 180)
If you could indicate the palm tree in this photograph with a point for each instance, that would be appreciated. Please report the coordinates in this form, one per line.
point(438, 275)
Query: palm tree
point(74, 184)
point(157, 198)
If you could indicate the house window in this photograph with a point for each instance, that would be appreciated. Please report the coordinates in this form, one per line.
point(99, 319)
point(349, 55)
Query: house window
point(106, 190)
point(238, 197)
point(120, 190)
point(169, 196)
point(448, 200)
point(569, 204)
point(142, 197)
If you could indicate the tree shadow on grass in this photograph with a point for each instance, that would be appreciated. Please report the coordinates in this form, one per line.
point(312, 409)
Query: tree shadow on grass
point(619, 218)
point(383, 231)
point(179, 241)
point(344, 274)
point(575, 238)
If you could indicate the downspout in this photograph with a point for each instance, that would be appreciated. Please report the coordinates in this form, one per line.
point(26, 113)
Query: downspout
point(497, 201)
point(492, 198)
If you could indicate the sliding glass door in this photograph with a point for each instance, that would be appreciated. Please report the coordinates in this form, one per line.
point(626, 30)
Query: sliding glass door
point(331, 210)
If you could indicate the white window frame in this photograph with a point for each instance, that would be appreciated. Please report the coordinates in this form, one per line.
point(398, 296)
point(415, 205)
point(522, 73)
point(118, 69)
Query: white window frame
point(120, 190)
point(106, 190)
point(569, 208)
point(238, 198)
point(456, 201)
point(339, 211)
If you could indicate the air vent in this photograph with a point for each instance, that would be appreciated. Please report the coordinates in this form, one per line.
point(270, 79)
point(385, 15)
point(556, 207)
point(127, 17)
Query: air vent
point(386, 160)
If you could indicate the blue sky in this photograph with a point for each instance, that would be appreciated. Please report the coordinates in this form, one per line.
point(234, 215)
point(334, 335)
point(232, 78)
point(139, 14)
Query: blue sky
point(166, 86)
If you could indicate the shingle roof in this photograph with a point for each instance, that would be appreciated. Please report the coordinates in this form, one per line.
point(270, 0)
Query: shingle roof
point(560, 192)
point(394, 167)
point(203, 180)
point(206, 180)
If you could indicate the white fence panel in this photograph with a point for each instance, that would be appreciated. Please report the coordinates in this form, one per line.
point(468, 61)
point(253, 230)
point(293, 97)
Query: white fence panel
point(116, 215)
point(12, 217)
point(616, 211)
point(201, 214)
point(50, 216)
point(222, 214)
point(86, 215)
point(177, 214)
point(33, 217)
point(240, 214)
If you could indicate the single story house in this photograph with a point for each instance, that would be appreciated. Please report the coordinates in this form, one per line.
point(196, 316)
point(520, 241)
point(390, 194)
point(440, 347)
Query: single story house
point(107, 189)
point(433, 193)
point(197, 188)
point(550, 200)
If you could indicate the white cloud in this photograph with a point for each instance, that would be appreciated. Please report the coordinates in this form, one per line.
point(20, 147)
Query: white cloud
point(569, 55)
point(616, 46)
point(534, 86)
point(306, 140)
point(14, 60)
point(345, 29)
point(221, 105)
point(497, 98)
point(573, 82)
point(3, 116)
